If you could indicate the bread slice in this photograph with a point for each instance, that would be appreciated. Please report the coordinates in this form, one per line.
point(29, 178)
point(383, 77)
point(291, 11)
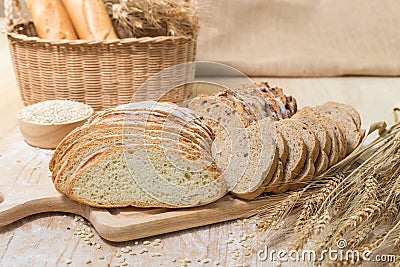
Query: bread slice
point(346, 124)
point(283, 153)
point(342, 145)
point(331, 129)
point(261, 164)
point(349, 109)
point(203, 140)
point(108, 118)
point(288, 102)
point(239, 104)
point(142, 176)
point(309, 116)
point(125, 136)
point(219, 113)
point(256, 100)
point(312, 145)
point(83, 150)
point(319, 131)
point(296, 158)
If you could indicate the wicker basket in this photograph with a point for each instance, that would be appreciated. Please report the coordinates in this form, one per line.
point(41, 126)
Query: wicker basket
point(101, 74)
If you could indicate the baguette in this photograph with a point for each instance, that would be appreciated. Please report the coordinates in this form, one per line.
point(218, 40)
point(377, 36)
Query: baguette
point(51, 20)
point(90, 19)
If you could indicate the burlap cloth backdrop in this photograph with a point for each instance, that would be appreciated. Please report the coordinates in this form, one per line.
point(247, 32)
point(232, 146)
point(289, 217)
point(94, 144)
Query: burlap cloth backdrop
point(302, 37)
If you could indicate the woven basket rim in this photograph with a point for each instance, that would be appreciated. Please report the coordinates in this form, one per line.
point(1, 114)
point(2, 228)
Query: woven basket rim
point(9, 31)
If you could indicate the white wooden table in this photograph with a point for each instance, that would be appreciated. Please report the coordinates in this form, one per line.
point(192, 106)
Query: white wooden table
point(49, 240)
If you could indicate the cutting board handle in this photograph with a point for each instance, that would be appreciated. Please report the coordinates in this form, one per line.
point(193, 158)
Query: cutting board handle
point(17, 202)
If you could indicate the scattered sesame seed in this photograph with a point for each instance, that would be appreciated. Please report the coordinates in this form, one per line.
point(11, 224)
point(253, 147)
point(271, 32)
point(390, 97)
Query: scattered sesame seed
point(124, 264)
point(155, 254)
point(132, 253)
point(251, 235)
point(117, 254)
point(174, 260)
point(157, 240)
point(143, 251)
point(88, 261)
point(217, 263)
point(205, 261)
point(155, 244)
point(146, 243)
point(187, 260)
point(68, 261)
point(101, 257)
point(247, 254)
point(125, 250)
point(136, 242)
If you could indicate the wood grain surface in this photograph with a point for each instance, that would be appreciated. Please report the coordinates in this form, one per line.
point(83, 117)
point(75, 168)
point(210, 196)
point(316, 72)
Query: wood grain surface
point(48, 239)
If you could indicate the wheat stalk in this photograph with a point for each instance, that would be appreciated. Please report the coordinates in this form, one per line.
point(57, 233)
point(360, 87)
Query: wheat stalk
point(279, 211)
point(352, 204)
point(164, 17)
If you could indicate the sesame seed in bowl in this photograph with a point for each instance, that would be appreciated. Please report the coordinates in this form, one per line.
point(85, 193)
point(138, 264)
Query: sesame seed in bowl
point(46, 123)
point(55, 112)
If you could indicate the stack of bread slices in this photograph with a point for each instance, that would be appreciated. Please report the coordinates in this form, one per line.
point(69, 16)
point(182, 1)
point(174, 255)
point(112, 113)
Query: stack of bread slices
point(146, 154)
point(263, 144)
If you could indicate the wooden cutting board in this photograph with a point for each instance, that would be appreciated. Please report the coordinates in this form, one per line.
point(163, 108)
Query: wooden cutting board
point(122, 224)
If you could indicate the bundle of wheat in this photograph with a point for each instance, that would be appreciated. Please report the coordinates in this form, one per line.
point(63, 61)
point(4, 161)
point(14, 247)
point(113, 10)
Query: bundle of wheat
point(141, 18)
point(358, 201)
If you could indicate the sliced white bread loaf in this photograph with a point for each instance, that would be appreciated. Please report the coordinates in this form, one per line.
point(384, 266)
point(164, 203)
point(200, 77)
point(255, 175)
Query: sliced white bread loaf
point(142, 176)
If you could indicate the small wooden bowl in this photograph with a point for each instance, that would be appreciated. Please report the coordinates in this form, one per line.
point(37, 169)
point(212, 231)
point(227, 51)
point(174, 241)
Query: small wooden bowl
point(48, 135)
